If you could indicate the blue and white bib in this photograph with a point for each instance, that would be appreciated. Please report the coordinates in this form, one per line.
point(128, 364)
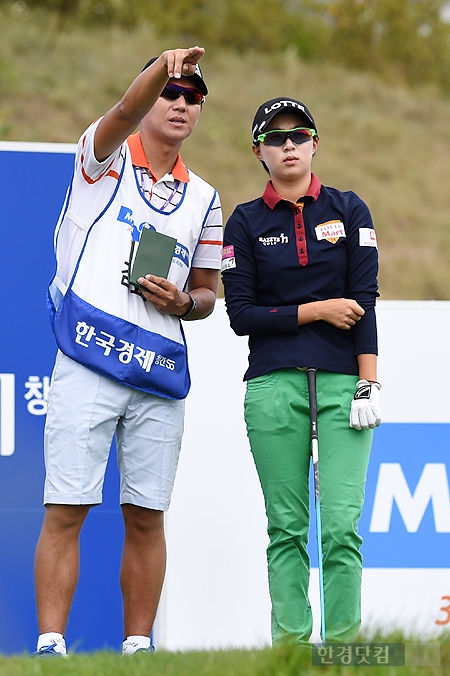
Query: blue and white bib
point(98, 319)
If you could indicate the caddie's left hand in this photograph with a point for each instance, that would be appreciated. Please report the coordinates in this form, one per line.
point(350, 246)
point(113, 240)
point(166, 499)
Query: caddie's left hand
point(164, 296)
point(365, 408)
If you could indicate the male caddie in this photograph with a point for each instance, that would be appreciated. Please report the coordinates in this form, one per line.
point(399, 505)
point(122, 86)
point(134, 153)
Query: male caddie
point(122, 365)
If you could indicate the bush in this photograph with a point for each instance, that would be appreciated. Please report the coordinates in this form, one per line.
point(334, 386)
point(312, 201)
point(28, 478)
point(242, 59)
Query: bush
point(400, 39)
point(406, 38)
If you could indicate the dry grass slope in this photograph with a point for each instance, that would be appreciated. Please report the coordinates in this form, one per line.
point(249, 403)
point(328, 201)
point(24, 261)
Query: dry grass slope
point(388, 143)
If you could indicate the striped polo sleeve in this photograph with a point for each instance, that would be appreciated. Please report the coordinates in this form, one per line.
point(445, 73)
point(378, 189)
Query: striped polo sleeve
point(209, 249)
point(90, 168)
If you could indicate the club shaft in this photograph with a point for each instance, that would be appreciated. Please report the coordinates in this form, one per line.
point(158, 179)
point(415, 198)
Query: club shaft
point(321, 583)
point(311, 375)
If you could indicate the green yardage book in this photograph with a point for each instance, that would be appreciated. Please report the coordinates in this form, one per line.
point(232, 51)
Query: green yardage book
point(154, 255)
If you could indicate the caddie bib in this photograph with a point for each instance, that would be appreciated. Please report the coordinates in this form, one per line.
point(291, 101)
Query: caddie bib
point(101, 321)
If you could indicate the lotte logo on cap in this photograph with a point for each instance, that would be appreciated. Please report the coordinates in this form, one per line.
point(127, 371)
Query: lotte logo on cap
point(285, 104)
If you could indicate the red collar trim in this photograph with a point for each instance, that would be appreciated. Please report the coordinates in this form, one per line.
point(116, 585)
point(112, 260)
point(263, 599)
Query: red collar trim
point(139, 159)
point(271, 197)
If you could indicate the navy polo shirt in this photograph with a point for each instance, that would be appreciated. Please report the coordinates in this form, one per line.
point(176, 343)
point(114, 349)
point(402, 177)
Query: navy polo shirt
point(278, 255)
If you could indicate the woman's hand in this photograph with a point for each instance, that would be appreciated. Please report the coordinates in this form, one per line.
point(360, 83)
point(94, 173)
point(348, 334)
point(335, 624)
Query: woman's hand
point(340, 312)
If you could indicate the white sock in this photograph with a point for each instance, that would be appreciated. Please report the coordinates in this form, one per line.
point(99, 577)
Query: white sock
point(133, 643)
point(52, 637)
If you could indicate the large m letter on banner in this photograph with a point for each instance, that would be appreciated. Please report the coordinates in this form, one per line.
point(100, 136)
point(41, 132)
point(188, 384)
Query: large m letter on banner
point(7, 414)
point(433, 485)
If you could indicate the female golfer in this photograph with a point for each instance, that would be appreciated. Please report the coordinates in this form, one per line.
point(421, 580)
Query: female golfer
point(300, 275)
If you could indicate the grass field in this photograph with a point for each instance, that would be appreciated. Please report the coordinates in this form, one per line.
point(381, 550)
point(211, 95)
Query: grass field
point(388, 143)
point(282, 661)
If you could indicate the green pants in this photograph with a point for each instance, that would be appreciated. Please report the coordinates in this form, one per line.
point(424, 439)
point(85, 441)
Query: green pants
point(277, 418)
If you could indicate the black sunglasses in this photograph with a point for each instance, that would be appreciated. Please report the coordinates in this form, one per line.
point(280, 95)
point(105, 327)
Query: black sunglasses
point(192, 96)
point(278, 137)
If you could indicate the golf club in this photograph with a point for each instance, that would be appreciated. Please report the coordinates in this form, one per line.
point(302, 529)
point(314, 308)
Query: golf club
point(311, 375)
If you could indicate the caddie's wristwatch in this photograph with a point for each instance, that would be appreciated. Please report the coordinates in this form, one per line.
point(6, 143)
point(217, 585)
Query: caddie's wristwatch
point(191, 309)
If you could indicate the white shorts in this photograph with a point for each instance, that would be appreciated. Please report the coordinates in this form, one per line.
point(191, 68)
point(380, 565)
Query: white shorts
point(85, 410)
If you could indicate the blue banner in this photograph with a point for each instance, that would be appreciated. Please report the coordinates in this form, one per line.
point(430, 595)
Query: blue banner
point(33, 186)
point(406, 516)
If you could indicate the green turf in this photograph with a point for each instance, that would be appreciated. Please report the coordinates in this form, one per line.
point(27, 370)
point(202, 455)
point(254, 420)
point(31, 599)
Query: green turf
point(281, 661)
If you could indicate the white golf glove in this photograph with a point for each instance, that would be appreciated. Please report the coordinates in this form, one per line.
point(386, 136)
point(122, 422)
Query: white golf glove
point(365, 409)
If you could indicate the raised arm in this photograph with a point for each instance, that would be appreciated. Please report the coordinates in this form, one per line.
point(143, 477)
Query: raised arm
point(123, 118)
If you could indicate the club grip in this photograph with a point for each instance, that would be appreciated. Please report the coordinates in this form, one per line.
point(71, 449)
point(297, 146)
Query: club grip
point(311, 375)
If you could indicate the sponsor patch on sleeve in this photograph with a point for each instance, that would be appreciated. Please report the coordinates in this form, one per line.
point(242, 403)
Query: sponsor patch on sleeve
point(228, 259)
point(367, 237)
point(331, 231)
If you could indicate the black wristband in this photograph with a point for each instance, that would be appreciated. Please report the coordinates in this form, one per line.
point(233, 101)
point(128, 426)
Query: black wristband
point(191, 309)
